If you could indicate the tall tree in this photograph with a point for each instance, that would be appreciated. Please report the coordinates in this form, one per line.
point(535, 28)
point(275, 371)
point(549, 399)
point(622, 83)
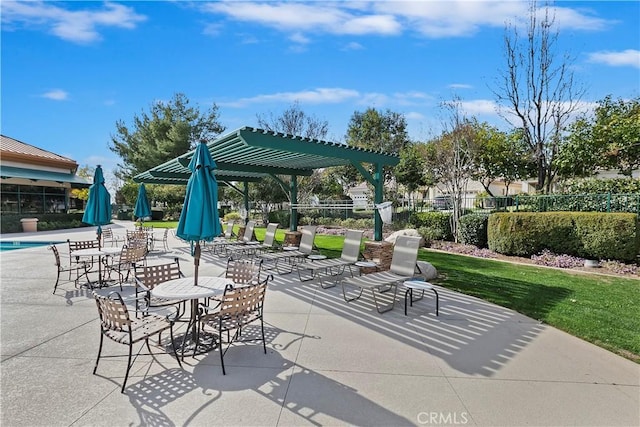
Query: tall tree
point(538, 89)
point(501, 156)
point(295, 121)
point(167, 131)
point(609, 139)
point(378, 131)
point(451, 157)
point(411, 171)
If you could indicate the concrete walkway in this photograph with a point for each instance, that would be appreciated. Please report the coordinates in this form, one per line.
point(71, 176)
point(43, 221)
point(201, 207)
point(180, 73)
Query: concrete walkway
point(327, 362)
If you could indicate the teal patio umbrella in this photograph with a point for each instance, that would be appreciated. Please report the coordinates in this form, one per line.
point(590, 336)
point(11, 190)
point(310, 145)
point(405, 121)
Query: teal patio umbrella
point(142, 210)
point(98, 210)
point(199, 219)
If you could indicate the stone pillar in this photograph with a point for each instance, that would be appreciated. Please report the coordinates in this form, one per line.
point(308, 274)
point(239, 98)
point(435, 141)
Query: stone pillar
point(378, 252)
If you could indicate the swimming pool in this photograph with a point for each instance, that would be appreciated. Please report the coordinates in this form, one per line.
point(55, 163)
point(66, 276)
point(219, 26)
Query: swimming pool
point(12, 245)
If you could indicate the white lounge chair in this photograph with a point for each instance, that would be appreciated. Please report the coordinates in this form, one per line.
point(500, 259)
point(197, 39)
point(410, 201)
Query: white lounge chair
point(403, 267)
point(334, 267)
point(293, 255)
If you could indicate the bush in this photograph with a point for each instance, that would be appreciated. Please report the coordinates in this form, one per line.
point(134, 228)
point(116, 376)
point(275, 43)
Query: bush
point(232, 216)
point(281, 217)
point(12, 224)
point(473, 229)
point(584, 234)
point(434, 224)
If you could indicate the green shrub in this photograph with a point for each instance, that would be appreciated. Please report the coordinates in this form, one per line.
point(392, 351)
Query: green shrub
point(281, 217)
point(584, 234)
point(434, 223)
point(232, 216)
point(473, 229)
point(12, 224)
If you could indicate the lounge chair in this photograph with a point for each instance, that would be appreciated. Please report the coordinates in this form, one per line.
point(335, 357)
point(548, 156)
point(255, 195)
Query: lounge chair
point(269, 244)
point(244, 245)
point(293, 255)
point(219, 244)
point(336, 266)
point(403, 267)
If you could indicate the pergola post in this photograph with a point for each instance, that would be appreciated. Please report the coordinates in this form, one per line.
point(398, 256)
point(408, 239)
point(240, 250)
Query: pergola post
point(378, 183)
point(293, 191)
point(245, 193)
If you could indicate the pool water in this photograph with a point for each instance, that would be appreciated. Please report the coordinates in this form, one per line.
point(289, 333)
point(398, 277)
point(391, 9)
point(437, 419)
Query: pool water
point(13, 245)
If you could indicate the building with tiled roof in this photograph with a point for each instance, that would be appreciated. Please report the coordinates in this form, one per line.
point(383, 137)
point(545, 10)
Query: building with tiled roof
point(33, 180)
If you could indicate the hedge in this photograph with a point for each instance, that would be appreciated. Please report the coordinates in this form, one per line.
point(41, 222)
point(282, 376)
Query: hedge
point(473, 229)
point(432, 225)
point(12, 224)
point(592, 235)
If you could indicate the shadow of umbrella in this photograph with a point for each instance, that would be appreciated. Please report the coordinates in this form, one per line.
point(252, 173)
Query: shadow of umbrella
point(142, 209)
point(98, 210)
point(199, 219)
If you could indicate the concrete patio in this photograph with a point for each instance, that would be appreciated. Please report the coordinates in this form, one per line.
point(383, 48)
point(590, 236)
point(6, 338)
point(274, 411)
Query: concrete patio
point(327, 362)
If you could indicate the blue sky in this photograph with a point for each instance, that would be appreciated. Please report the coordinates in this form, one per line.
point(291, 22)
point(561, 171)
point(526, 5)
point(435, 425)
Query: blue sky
point(70, 70)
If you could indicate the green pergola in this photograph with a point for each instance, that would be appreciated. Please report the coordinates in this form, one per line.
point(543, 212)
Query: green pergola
point(249, 154)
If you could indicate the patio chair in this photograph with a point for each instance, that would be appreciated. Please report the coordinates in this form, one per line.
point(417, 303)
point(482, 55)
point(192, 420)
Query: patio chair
point(403, 267)
point(164, 240)
point(77, 245)
point(336, 266)
point(148, 277)
point(239, 307)
point(109, 237)
point(128, 258)
point(117, 325)
point(293, 255)
point(77, 267)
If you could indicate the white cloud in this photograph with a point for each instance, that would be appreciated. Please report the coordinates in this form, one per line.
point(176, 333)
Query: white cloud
point(56, 95)
point(433, 19)
point(299, 38)
point(479, 106)
point(460, 86)
point(315, 96)
point(332, 17)
point(414, 115)
point(629, 57)
point(78, 26)
point(353, 46)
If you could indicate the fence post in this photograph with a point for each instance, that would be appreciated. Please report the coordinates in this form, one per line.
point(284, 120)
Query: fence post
point(609, 202)
point(517, 201)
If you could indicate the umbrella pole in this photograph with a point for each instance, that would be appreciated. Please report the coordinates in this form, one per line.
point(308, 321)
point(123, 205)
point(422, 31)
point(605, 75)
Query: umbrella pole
point(196, 262)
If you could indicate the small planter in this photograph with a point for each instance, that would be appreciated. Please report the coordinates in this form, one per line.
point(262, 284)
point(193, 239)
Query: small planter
point(591, 263)
point(29, 225)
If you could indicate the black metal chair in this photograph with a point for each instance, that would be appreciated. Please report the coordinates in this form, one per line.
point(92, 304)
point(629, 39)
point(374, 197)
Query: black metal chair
point(116, 324)
point(238, 307)
point(77, 267)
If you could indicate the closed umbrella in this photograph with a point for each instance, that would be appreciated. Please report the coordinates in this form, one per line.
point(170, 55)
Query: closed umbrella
point(142, 210)
point(98, 210)
point(199, 218)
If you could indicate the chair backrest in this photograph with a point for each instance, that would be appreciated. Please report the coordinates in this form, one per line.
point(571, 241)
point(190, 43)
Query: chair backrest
point(270, 234)
point(107, 233)
point(152, 275)
point(56, 254)
point(228, 232)
point(243, 271)
point(113, 312)
point(132, 254)
point(82, 244)
point(248, 231)
point(308, 236)
point(239, 301)
point(405, 255)
point(351, 246)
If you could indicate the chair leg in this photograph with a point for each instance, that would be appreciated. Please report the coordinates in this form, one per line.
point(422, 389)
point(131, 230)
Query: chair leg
point(126, 375)
point(344, 293)
point(390, 306)
point(95, 368)
point(173, 345)
point(222, 354)
point(264, 342)
point(57, 280)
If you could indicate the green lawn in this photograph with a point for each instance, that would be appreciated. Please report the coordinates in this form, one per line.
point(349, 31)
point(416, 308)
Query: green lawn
point(602, 310)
